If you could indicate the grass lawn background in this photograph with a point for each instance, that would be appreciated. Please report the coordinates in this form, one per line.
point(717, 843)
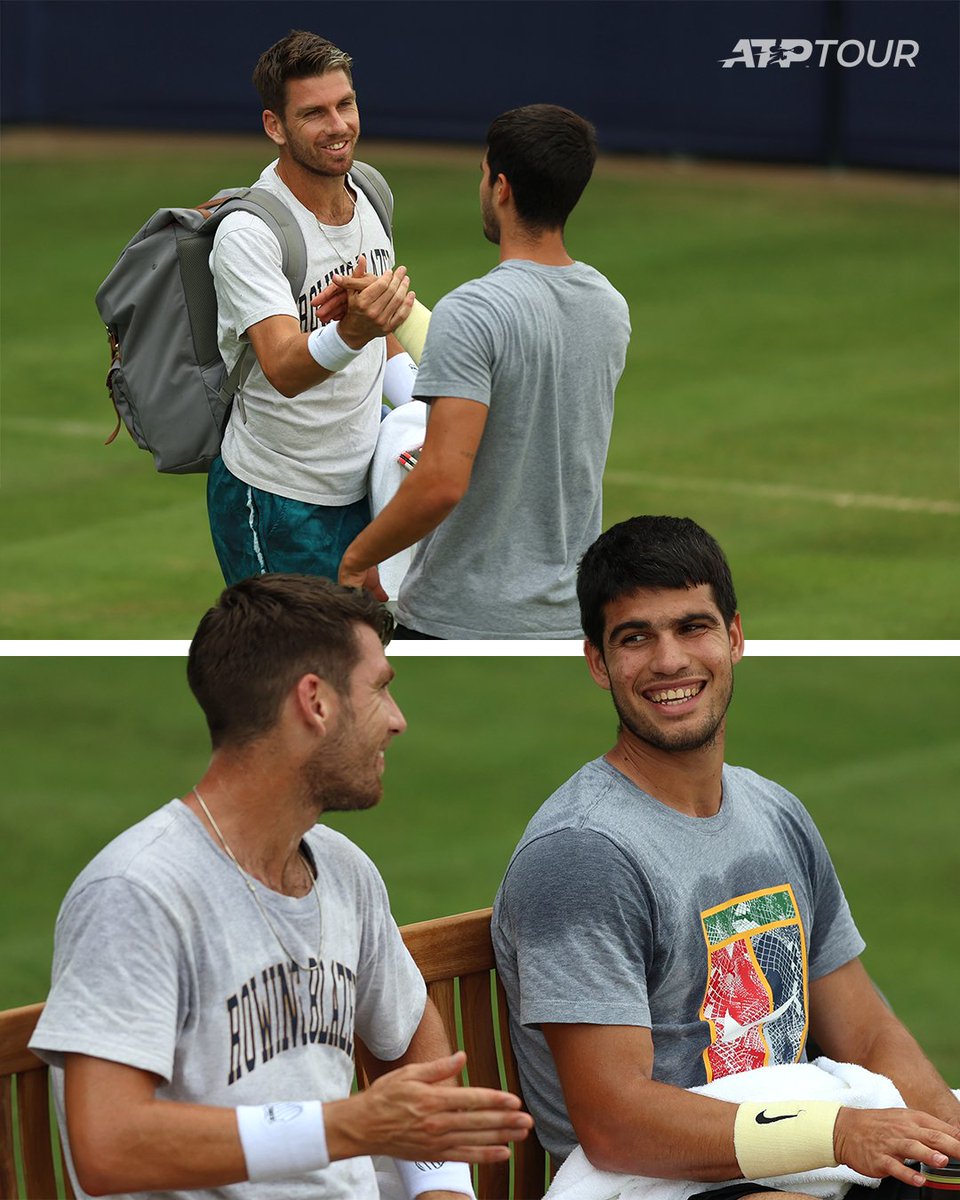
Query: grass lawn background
point(872, 747)
point(791, 381)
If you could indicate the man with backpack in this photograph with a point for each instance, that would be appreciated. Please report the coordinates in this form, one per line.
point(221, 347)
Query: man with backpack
point(519, 369)
point(288, 492)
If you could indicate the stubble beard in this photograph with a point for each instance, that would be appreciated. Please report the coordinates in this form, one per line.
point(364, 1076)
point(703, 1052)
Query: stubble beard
point(300, 157)
point(702, 738)
point(491, 227)
point(339, 778)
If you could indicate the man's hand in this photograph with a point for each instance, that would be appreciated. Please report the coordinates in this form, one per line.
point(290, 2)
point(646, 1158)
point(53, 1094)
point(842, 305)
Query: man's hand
point(876, 1141)
point(376, 304)
point(368, 579)
point(419, 1112)
point(330, 304)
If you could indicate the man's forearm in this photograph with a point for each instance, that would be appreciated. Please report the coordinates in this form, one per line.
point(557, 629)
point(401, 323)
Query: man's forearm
point(895, 1053)
point(662, 1131)
point(419, 505)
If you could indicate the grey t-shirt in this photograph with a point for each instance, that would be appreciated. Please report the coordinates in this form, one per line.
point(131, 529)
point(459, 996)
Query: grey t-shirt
point(543, 348)
point(163, 962)
point(618, 910)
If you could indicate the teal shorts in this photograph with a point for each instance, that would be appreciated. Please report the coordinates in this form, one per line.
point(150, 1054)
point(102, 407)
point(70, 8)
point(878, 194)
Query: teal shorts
point(255, 532)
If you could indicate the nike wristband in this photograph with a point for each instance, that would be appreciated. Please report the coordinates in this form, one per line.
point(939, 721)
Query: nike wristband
point(282, 1140)
point(420, 1177)
point(328, 349)
point(784, 1137)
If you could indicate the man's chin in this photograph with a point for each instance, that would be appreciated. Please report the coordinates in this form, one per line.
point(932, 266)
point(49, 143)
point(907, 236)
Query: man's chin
point(351, 800)
point(333, 171)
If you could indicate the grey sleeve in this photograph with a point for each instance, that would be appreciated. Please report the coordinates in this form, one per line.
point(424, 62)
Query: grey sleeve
point(458, 354)
point(115, 992)
point(578, 916)
point(834, 937)
point(391, 993)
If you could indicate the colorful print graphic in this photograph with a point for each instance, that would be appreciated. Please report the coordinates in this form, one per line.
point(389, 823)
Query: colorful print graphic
point(756, 995)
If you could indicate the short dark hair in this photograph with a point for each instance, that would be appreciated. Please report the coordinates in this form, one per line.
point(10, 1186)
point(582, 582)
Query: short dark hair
point(265, 633)
point(650, 552)
point(546, 154)
point(300, 55)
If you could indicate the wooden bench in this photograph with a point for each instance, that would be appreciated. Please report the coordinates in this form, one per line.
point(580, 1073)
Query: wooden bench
point(456, 958)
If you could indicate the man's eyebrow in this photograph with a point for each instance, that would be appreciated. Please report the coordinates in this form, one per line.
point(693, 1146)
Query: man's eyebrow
point(309, 109)
point(639, 626)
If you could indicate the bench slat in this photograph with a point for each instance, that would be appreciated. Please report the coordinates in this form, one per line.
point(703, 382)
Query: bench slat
point(33, 1103)
point(8, 1170)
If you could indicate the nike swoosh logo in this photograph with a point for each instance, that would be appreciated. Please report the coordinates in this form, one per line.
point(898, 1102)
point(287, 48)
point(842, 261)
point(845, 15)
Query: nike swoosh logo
point(762, 1118)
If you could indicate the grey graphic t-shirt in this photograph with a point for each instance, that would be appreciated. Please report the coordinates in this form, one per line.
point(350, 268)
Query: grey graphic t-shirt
point(618, 910)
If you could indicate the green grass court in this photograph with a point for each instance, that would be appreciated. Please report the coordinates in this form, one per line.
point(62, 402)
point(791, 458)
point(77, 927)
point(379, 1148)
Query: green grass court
point(872, 747)
point(791, 383)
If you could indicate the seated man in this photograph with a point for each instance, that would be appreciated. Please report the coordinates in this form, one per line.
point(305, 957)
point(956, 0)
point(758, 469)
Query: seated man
point(215, 963)
point(667, 919)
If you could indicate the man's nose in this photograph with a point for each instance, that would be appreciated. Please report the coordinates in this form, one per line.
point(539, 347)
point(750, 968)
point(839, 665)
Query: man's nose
point(670, 655)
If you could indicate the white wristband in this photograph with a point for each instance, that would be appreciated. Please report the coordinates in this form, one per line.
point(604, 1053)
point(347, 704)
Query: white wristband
point(282, 1140)
point(328, 349)
point(419, 1177)
point(399, 376)
point(783, 1138)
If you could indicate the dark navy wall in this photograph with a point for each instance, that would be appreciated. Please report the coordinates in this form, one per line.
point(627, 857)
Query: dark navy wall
point(647, 72)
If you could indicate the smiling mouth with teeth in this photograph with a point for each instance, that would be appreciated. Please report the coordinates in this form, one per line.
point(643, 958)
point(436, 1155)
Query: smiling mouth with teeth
point(675, 695)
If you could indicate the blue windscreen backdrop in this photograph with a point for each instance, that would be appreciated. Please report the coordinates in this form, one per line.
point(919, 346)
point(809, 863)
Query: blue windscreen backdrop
point(805, 80)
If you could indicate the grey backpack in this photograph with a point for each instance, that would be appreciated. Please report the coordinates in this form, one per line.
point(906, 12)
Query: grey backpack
point(167, 380)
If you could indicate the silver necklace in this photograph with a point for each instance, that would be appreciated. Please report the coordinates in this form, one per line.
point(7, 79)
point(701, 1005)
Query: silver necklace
point(315, 966)
point(356, 213)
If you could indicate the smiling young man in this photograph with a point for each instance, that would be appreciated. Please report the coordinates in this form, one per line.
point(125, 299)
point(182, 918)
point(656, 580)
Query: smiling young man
point(289, 491)
point(214, 964)
point(669, 920)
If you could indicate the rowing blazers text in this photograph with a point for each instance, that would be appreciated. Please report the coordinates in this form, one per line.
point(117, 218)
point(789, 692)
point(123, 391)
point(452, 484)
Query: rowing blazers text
point(284, 1007)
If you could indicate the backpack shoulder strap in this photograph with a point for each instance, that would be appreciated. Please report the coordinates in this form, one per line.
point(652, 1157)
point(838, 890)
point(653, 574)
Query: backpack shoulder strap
point(280, 220)
point(377, 191)
point(293, 257)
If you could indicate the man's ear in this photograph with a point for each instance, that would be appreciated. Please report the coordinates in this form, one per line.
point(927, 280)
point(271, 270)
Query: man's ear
point(597, 664)
point(273, 128)
point(502, 191)
point(736, 639)
point(315, 702)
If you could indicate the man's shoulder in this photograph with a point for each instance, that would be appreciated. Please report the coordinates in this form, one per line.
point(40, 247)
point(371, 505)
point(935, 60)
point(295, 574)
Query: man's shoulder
point(139, 852)
point(764, 795)
point(746, 780)
point(483, 287)
point(574, 804)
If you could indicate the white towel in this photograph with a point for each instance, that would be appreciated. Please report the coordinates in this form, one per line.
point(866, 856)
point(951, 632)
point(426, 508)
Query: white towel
point(402, 429)
point(824, 1079)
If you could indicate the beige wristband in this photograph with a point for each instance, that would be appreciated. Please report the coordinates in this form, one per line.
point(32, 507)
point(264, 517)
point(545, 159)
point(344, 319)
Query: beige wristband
point(784, 1137)
point(413, 332)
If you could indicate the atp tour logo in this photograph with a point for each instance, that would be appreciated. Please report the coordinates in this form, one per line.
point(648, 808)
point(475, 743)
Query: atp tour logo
point(787, 52)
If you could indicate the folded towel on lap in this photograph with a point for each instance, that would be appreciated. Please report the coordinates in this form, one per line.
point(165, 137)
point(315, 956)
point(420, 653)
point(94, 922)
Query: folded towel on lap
point(823, 1079)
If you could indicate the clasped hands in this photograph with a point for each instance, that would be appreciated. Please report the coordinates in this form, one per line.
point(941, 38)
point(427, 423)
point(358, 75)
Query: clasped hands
point(365, 306)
